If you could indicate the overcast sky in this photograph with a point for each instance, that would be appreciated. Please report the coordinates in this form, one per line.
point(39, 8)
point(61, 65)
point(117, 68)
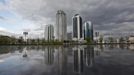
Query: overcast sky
point(116, 16)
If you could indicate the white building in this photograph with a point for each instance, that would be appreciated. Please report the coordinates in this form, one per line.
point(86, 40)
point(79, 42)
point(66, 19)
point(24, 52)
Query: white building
point(61, 26)
point(131, 39)
point(49, 32)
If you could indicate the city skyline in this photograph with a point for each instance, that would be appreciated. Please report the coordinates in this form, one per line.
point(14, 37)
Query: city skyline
point(107, 16)
point(66, 37)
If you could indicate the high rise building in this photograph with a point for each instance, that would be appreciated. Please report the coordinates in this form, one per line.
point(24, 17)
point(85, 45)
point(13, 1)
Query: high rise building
point(88, 30)
point(61, 26)
point(49, 32)
point(77, 27)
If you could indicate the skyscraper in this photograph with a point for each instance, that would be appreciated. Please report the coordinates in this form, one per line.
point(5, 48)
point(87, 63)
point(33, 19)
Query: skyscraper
point(88, 30)
point(77, 27)
point(61, 26)
point(49, 32)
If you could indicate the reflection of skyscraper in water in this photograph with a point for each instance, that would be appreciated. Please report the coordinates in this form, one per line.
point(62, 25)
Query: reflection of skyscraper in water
point(78, 59)
point(89, 56)
point(62, 60)
point(49, 55)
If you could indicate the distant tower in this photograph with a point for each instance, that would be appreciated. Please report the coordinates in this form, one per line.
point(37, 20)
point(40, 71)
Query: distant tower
point(49, 32)
point(25, 35)
point(77, 27)
point(61, 26)
point(88, 30)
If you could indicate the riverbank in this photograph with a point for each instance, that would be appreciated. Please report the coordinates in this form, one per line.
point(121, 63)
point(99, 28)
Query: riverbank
point(69, 44)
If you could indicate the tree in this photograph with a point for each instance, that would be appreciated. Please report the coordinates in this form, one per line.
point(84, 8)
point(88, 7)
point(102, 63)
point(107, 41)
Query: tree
point(101, 39)
point(89, 40)
point(121, 40)
point(111, 40)
point(20, 40)
point(7, 40)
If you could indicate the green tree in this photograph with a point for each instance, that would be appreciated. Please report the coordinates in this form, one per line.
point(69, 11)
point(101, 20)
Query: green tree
point(89, 40)
point(111, 40)
point(121, 40)
point(101, 39)
point(20, 40)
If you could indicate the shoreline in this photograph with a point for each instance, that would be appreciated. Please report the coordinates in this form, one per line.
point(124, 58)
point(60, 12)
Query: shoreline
point(65, 44)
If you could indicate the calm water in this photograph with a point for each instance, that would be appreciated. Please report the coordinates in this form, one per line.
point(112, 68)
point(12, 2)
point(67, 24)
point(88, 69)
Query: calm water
point(67, 60)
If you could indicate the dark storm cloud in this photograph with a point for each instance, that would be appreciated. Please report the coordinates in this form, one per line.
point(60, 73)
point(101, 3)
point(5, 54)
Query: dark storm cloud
point(106, 15)
point(111, 12)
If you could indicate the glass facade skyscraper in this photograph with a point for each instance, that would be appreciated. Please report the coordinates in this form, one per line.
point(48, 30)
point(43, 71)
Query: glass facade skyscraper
point(61, 26)
point(77, 27)
point(88, 30)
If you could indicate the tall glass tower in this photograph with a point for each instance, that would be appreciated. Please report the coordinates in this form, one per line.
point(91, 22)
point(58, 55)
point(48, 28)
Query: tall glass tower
point(61, 26)
point(88, 30)
point(77, 27)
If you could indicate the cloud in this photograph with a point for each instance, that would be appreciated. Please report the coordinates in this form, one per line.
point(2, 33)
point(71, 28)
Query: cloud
point(2, 18)
point(106, 15)
point(3, 7)
point(2, 29)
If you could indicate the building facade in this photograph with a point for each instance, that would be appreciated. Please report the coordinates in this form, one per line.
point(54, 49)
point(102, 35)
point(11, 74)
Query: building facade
point(61, 26)
point(88, 30)
point(131, 39)
point(49, 32)
point(77, 27)
point(69, 36)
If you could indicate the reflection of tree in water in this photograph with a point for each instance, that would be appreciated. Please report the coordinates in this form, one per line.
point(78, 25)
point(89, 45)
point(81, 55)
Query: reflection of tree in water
point(111, 46)
point(128, 45)
point(101, 47)
point(122, 46)
point(20, 48)
point(8, 49)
